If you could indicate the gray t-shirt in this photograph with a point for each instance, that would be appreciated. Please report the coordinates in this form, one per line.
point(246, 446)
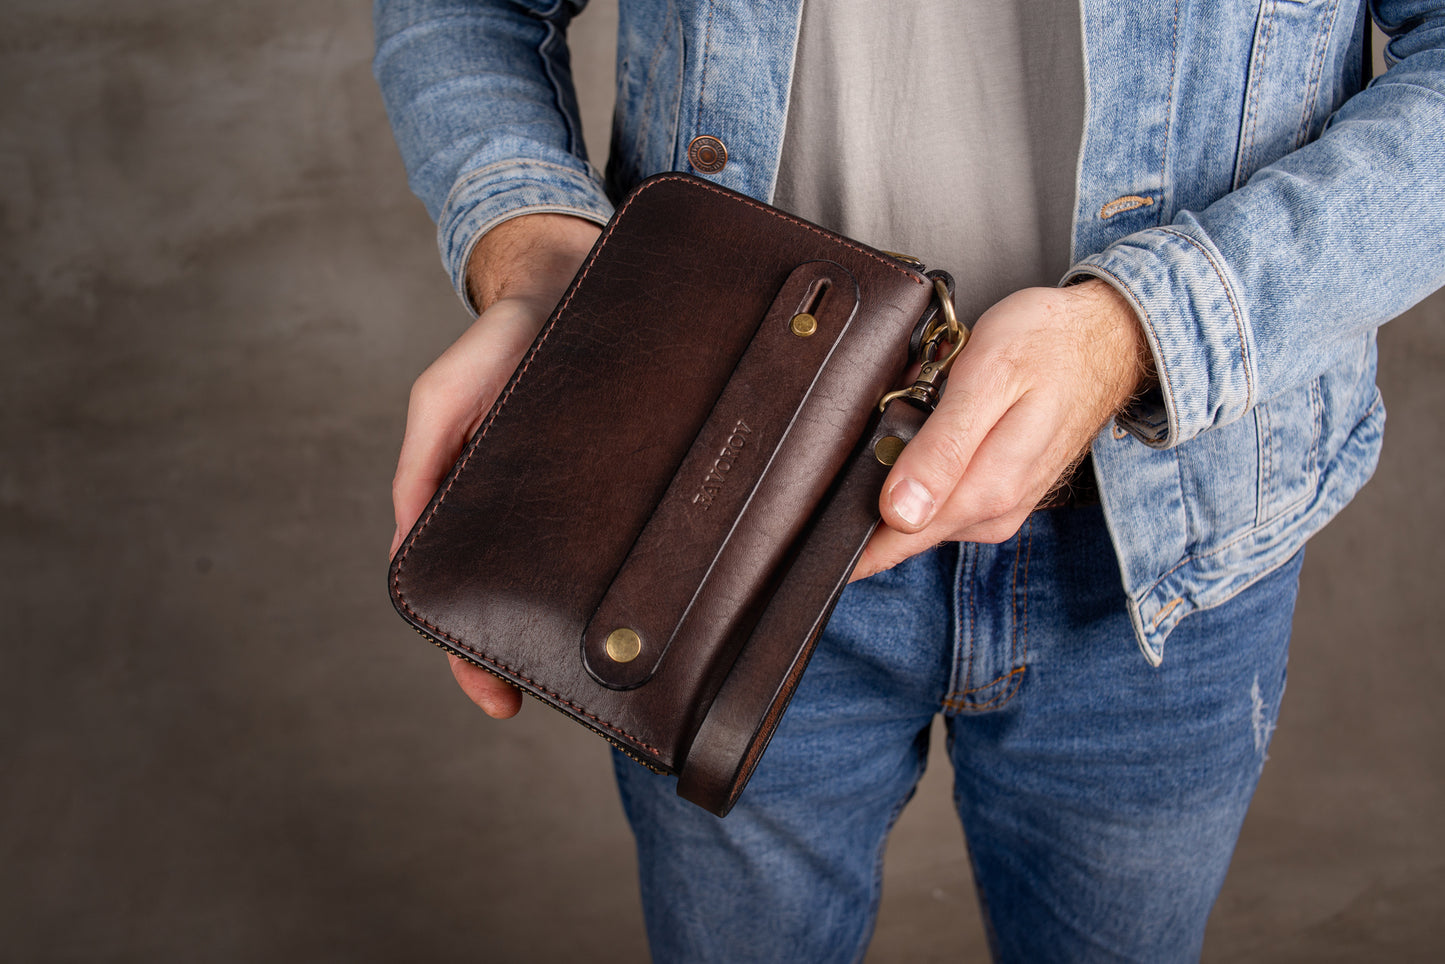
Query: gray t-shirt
point(944, 130)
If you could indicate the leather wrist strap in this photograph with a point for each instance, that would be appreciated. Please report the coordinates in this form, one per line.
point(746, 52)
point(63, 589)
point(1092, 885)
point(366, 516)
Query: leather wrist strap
point(736, 728)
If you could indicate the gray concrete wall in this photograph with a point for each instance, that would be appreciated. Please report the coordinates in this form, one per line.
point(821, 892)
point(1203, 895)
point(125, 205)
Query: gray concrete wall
point(217, 742)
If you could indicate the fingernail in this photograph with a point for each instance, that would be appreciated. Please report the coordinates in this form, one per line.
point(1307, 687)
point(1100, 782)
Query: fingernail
point(912, 503)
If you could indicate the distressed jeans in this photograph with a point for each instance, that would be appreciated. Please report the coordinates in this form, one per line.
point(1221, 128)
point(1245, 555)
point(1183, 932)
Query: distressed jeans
point(1100, 797)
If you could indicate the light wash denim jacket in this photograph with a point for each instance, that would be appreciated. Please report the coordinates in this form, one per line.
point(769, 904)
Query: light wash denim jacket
point(1262, 213)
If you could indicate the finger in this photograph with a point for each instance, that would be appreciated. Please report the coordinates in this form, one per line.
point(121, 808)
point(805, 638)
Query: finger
point(428, 449)
point(450, 399)
point(420, 470)
point(1010, 470)
point(498, 699)
point(885, 549)
point(932, 464)
point(1006, 476)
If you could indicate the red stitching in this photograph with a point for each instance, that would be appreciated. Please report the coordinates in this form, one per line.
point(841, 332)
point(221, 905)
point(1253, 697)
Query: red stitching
point(581, 710)
point(783, 215)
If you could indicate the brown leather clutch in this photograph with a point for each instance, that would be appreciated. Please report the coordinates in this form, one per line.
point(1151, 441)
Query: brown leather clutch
point(652, 525)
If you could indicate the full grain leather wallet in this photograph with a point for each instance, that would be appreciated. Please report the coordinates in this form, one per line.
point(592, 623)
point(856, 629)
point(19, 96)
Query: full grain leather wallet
point(651, 526)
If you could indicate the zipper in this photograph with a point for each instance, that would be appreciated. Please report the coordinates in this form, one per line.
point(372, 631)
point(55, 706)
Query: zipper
point(907, 259)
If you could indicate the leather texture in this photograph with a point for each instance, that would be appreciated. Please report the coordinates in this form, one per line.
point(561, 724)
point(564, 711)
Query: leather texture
point(755, 694)
point(672, 457)
point(756, 472)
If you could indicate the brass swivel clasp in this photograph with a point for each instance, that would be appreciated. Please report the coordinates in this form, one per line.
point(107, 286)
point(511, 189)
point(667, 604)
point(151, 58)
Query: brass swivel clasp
point(944, 329)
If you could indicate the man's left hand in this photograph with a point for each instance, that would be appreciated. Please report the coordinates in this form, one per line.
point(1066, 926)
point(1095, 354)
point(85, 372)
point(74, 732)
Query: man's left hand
point(1043, 371)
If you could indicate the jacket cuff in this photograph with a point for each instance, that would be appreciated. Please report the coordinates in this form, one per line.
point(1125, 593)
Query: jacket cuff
point(1196, 327)
point(490, 195)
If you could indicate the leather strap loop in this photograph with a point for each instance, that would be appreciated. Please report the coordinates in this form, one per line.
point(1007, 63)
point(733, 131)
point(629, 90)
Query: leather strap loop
point(744, 490)
point(732, 736)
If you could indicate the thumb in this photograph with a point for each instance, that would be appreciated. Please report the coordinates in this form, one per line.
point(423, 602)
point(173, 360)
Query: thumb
point(932, 464)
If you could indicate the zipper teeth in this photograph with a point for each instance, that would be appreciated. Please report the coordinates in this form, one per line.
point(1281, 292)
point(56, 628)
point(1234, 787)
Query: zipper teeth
point(485, 668)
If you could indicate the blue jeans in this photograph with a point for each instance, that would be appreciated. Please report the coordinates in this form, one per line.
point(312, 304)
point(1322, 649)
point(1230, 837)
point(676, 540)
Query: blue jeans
point(1100, 797)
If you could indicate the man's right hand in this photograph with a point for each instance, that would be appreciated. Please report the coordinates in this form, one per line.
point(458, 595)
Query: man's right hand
point(517, 273)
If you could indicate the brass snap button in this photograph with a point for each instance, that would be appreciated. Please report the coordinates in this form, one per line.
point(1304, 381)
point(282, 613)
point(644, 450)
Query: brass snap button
point(803, 324)
point(623, 645)
point(887, 449)
point(707, 154)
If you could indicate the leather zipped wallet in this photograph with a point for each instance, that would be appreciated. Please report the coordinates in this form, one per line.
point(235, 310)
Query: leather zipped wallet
point(650, 528)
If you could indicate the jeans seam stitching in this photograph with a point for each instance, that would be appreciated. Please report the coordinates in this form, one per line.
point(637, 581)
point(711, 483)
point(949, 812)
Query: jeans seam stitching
point(972, 640)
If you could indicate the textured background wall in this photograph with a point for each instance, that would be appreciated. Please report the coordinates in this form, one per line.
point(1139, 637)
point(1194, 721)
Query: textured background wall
point(218, 743)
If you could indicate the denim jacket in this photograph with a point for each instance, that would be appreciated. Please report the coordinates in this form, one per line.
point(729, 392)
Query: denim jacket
point(1262, 209)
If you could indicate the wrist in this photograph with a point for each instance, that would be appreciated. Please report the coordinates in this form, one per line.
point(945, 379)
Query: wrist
point(1118, 332)
point(532, 256)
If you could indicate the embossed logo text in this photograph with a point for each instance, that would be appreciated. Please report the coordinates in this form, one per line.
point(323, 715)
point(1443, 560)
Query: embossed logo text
point(717, 473)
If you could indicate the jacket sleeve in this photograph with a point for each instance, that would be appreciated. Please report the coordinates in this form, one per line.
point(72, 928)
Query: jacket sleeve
point(1270, 285)
point(481, 101)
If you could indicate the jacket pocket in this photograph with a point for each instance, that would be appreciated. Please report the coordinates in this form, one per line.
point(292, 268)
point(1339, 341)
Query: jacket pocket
point(1282, 102)
point(1287, 433)
point(649, 94)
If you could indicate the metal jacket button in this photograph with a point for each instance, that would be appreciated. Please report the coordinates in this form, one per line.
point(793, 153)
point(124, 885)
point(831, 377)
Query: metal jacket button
point(707, 154)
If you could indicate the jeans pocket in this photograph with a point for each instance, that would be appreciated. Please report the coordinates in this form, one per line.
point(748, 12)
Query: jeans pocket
point(992, 592)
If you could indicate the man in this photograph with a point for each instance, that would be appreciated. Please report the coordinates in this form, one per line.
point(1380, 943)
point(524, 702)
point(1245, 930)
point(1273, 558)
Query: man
point(1231, 216)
